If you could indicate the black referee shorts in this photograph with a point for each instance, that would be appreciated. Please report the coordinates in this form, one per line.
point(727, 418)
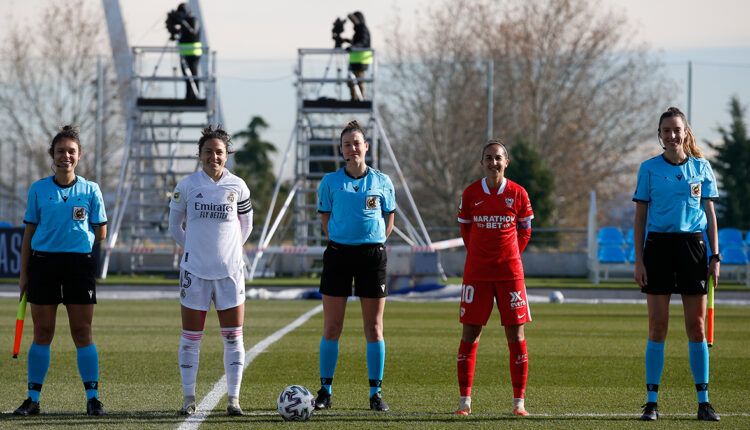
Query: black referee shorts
point(364, 264)
point(61, 277)
point(676, 263)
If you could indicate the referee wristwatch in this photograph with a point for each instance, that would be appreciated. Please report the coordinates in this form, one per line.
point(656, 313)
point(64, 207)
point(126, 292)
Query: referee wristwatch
point(716, 257)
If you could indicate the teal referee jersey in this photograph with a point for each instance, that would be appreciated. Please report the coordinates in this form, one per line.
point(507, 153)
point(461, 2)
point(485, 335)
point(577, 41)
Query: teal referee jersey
point(674, 193)
point(357, 206)
point(65, 216)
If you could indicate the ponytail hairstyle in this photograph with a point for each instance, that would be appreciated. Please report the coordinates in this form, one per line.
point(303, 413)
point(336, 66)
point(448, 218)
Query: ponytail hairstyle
point(496, 141)
point(350, 127)
point(689, 145)
point(67, 132)
point(214, 132)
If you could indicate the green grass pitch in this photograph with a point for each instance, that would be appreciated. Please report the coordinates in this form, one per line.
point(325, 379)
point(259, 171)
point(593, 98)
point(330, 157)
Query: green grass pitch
point(586, 369)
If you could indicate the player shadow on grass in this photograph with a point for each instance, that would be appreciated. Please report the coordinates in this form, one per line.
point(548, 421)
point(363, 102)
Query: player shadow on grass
point(69, 419)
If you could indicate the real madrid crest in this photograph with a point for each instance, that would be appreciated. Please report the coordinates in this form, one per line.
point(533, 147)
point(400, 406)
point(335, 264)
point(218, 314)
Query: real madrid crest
point(232, 197)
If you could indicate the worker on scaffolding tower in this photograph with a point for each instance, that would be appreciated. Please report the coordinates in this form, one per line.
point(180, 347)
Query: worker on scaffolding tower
point(360, 56)
point(184, 27)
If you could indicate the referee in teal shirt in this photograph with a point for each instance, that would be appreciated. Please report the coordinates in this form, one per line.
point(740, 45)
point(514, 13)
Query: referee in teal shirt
point(64, 217)
point(674, 203)
point(357, 205)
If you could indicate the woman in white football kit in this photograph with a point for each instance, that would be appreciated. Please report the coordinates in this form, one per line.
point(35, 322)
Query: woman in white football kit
point(214, 206)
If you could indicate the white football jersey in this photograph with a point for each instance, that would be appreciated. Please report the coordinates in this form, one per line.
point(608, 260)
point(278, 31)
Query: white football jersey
point(213, 241)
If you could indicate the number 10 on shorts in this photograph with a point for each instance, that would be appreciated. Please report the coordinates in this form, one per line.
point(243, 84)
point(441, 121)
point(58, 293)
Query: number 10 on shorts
point(467, 294)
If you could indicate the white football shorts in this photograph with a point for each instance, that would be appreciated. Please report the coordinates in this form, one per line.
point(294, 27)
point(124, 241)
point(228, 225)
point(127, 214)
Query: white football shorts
point(226, 293)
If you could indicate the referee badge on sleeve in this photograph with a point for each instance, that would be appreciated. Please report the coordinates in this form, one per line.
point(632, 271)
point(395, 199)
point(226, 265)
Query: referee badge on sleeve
point(371, 202)
point(695, 189)
point(79, 213)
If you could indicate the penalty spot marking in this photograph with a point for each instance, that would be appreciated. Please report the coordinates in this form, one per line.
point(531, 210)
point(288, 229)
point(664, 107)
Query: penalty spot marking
point(204, 408)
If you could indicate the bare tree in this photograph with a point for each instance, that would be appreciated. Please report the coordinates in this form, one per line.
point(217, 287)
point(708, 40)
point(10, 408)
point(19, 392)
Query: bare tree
point(569, 81)
point(49, 78)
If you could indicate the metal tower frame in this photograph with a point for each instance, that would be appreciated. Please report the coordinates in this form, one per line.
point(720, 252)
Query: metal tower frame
point(160, 142)
point(323, 108)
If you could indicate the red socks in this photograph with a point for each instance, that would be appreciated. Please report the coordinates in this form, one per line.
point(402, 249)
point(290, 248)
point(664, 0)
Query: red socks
point(519, 367)
point(465, 363)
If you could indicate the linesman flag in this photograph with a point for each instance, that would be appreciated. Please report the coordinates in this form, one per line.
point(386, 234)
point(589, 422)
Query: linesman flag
point(20, 315)
point(710, 312)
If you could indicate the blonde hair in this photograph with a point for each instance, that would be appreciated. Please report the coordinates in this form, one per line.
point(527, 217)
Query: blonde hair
point(690, 145)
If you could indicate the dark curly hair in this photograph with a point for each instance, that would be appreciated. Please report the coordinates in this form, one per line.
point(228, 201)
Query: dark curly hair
point(214, 132)
point(67, 132)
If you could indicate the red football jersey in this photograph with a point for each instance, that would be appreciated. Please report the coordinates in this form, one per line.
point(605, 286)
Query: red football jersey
point(493, 254)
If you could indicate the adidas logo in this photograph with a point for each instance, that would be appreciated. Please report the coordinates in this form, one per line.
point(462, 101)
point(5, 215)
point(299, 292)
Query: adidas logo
point(199, 196)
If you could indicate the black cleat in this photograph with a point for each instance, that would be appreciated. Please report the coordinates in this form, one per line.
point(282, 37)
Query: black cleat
point(650, 412)
point(323, 400)
point(706, 412)
point(377, 403)
point(233, 408)
point(28, 407)
point(94, 407)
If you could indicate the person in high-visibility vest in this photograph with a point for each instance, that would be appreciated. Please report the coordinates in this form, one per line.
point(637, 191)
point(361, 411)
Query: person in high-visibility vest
point(359, 57)
point(183, 24)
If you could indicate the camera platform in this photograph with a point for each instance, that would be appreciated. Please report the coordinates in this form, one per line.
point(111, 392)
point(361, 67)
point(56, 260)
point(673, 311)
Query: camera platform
point(165, 104)
point(327, 105)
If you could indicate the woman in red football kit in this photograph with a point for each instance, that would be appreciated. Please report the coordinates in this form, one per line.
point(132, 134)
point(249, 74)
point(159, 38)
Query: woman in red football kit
point(495, 217)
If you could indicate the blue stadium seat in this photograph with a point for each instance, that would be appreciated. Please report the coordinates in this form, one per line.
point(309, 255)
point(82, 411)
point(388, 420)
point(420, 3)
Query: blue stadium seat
point(629, 237)
point(733, 255)
point(612, 254)
point(730, 236)
point(610, 236)
point(630, 252)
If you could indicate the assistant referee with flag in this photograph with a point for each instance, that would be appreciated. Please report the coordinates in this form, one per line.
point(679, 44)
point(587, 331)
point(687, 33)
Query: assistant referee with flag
point(64, 217)
point(673, 203)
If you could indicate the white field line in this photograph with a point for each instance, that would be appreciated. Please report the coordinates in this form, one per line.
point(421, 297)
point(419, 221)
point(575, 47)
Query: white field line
point(436, 415)
point(220, 387)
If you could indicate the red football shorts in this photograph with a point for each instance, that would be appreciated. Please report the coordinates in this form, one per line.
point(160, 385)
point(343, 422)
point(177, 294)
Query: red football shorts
point(477, 299)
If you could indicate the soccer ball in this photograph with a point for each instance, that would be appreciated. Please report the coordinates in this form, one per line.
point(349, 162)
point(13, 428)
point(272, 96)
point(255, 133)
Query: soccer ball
point(556, 297)
point(295, 403)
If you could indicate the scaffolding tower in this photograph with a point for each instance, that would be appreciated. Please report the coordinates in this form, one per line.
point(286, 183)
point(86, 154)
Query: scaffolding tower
point(160, 146)
point(163, 128)
point(324, 105)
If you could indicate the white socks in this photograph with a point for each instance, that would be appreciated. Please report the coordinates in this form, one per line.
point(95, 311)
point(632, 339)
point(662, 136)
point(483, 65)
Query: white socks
point(189, 356)
point(234, 359)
